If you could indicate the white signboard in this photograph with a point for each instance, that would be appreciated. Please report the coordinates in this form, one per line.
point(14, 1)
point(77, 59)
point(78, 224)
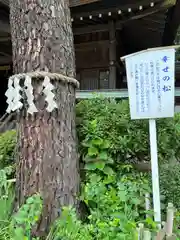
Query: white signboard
point(150, 77)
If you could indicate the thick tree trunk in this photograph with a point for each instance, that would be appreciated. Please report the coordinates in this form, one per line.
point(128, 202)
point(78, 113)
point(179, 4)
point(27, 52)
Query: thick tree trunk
point(42, 40)
point(42, 36)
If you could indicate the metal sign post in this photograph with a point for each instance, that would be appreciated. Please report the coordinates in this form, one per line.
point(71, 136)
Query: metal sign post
point(155, 171)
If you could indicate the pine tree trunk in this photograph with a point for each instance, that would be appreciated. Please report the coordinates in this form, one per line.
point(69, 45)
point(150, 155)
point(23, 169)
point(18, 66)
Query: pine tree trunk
point(42, 40)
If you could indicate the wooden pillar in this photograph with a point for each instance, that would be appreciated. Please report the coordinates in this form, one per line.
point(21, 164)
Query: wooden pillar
point(112, 55)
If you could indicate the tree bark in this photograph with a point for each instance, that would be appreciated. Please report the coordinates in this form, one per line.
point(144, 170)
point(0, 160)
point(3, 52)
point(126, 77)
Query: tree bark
point(42, 37)
point(42, 40)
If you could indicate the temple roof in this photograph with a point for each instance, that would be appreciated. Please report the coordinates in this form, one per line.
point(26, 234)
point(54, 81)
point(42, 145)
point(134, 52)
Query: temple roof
point(141, 24)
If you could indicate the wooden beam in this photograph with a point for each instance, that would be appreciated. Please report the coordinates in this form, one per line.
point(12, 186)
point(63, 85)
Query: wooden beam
point(4, 27)
point(105, 27)
point(142, 13)
point(5, 60)
point(90, 29)
point(5, 2)
point(75, 3)
point(5, 39)
point(5, 68)
point(5, 54)
point(95, 28)
point(112, 55)
point(6, 49)
point(172, 24)
point(85, 45)
point(118, 25)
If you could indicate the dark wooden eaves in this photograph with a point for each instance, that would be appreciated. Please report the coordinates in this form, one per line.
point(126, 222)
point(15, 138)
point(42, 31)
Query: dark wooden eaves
point(172, 24)
point(76, 3)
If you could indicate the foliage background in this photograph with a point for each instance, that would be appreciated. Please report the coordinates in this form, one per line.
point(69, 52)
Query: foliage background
point(128, 141)
point(110, 143)
point(7, 148)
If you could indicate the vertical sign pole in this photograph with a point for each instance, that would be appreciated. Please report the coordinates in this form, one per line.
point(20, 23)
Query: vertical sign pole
point(155, 172)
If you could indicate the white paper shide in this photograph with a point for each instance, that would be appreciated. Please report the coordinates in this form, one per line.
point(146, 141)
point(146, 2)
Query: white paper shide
point(10, 95)
point(29, 94)
point(48, 87)
point(15, 94)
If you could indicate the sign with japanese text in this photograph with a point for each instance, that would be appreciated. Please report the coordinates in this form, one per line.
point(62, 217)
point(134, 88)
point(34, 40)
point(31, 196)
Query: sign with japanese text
point(150, 77)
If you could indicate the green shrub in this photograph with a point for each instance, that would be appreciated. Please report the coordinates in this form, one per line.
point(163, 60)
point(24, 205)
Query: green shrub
point(26, 218)
point(7, 148)
point(68, 227)
point(115, 204)
point(109, 141)
point(128, 139)
point(6, 203)
point(109, 138)
point(170, 183)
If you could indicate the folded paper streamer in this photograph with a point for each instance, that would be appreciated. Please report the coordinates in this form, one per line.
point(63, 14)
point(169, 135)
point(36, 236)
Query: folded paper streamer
point(20, 85)
point(48, 87)
point(17, 104)
point(15, 92)
point(30, 97)
point(10, 96)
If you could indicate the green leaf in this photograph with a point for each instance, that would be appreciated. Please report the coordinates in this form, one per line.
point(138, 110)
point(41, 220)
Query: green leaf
point(86, 144)
point(110, 160)
point(103, 155)
point(123, 196)
point(162, 197)
point(106, 144)
point(150, 222)
point(92, 151)
point(97, 142)
point(109, 179)
point(136, 201)
point(90, 166)
point(99, 165)
point(89, 159)
point(107, 170)
point(94, 123)
point(19, 232)
point(30, 200)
